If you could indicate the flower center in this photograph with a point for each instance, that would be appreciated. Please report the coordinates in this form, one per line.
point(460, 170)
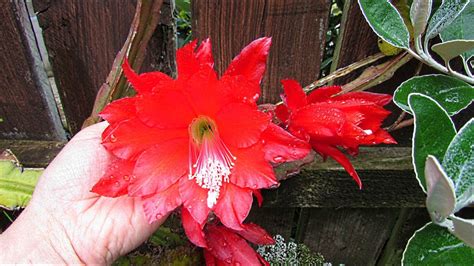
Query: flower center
point(210, 161)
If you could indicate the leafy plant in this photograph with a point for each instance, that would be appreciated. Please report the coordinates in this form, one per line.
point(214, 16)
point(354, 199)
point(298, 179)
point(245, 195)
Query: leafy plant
point(289, 253)
point(182, 14)
point(442, 157)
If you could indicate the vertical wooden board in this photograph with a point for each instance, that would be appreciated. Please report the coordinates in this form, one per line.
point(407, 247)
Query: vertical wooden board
point(349, 236)
point(161, 50)
point(357, 40)
point(276, 221)
point(83, 38)
point(297, 27)
point(410, 220)
point(26, 104)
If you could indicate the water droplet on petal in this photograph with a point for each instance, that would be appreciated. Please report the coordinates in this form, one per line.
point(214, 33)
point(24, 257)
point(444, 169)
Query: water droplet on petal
point(228, 260)
point(111, 177)
point(278, 159)
point(158, 215)
point(117, 184)
point(126, 177)
point(113, 138)
point(255, 97)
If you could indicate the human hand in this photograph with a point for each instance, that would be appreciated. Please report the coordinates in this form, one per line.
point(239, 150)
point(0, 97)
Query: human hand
point(65, 222)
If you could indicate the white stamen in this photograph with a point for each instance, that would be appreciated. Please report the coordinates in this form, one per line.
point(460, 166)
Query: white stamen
point(212, 167)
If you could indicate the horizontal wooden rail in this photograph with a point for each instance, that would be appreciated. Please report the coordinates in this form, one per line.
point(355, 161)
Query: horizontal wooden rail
point(386, 172)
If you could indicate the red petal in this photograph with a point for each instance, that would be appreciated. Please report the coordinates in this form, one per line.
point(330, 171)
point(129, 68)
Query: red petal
point(242, 253)
point(186, 61)
point(209, 258)
point(340, 158)
point(107, 131)
point(159, 205)
point(233, 205)
point(381, 136)
point(193, 229)
point(218, 244)
point(159, 167)
point(256, 234)
point(147, 82)
point(251, 170)
point(204, 93)
point(251, 62)
point(318, 121)
point(259, 196)
point(241, 125)
point(240, 89)
point(116, 179)
point(119, 110)
point(165, 109)
point(280, 146)
point(282, 113)
point(130, 138)
point(323, 94)
point(295, 97)
point(194, 199)
point(364, 96)
point(204, 53)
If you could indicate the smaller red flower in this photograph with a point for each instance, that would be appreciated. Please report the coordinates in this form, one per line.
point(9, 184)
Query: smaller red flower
point(225, 246)
point(330, 121)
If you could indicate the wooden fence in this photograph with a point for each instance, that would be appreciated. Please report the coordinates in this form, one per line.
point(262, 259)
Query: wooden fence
point(45, 98)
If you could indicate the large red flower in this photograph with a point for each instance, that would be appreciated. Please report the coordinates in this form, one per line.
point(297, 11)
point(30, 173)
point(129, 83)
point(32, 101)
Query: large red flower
point(329, 121)
point(198, 140)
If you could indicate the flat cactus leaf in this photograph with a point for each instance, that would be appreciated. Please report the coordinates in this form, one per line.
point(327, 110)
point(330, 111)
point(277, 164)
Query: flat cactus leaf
point(16, 183)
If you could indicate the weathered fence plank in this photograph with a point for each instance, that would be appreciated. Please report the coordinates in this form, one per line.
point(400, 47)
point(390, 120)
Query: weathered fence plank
point(297, 27)
point(386, 173)
point(83, 38)
point(27, 106)
point(356, 40)
point(349, 236)
point(276, 221)
point(388, 183)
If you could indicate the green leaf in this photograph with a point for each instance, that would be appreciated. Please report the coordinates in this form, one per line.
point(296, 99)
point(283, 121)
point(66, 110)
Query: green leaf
point(463, 229)
point(451, 49)
point(461, 29)
point(419, 14)
point(16, 183)
point(434, 245)
point(442, 18)
point(164, 237)
point(433, 132)
point(458, 163)
point(386, 22)
point(441, 199)
point(451, 93)
point(183, 5)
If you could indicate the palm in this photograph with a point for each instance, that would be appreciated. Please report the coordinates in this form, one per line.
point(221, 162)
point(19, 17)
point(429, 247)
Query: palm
point(111, 226)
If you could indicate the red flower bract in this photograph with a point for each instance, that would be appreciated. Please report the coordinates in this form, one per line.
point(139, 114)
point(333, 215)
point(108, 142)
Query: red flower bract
point(198, 140)
point(223, 246)
point(329, 121)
